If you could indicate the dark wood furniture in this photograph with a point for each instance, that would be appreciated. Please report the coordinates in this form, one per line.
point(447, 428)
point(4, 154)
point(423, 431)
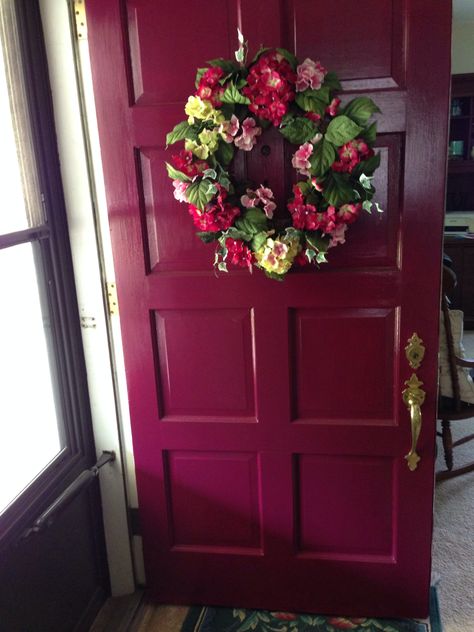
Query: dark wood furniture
point(461, 251)
point(452, 409)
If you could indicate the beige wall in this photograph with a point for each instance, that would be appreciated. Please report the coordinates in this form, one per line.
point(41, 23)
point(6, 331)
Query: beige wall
point(462, 47)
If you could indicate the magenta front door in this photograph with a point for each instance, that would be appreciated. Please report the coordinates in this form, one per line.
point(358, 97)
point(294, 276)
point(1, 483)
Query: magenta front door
point(268, 425)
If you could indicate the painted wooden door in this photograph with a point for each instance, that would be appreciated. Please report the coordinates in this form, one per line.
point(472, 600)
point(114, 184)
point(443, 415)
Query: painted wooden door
point(269, 429)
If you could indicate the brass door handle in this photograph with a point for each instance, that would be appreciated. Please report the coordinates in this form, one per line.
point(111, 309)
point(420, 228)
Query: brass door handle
point(414, 396)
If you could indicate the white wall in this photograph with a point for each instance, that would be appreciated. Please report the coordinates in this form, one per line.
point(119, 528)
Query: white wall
point(462, 48)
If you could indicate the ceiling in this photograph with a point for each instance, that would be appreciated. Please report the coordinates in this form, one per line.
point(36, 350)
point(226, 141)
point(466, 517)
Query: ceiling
point(463, 10)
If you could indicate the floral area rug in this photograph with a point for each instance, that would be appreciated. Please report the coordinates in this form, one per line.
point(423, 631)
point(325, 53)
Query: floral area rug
point(206, 619)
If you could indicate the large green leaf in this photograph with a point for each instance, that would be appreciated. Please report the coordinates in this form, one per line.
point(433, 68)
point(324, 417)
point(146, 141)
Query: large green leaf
point(224, 153)
point(200, 193)
point(321, 94)
point(299, 130)
point(175, 174)
point(232, 95)
point(367, 166)
point(341, 130)
point(369, 134)
point(178, 133)
point(360, 110)
point(309, 104)
point(258, 240)
point(252, 222)
point(227, 66)
point(316, 241)
point(337, 189)
point(208, 237)
point(332, 82)
point(322, 158)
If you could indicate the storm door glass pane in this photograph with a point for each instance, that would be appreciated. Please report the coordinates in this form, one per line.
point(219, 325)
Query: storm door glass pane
point(29, 433)
point(22, 206)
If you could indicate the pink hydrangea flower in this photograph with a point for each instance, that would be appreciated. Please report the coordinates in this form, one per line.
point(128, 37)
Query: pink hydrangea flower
point(229, 129)
point(300, 160)
point(247, 139)
point(348, 213)
point(262, 196)
point(310, 74)
point(180, 190)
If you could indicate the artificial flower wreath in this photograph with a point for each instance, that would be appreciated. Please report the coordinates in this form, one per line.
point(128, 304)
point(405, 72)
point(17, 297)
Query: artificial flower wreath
point(232, 104)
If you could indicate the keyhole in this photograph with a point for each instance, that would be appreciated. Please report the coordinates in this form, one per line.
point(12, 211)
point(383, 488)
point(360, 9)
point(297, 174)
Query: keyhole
point(266, 150)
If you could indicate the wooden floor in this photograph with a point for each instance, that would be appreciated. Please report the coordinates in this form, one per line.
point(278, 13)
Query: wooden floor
point(133, 613)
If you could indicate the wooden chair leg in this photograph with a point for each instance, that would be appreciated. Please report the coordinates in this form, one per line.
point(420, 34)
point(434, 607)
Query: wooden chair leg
point(447, 443)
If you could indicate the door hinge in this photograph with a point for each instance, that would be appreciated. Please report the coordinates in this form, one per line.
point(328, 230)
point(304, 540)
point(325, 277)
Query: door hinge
point(112, 298)
point(80, 19)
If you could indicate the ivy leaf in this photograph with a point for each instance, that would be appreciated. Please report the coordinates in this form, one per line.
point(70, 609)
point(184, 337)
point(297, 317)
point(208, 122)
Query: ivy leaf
point(367, 206)
point(174, 174)
point(209, 173)
point(224, 153)
point(222, 266)
point(337, 190)
point(224, 181)
point(232, 95)
point(378, 207)
point(178, 133)
point(316, 241)
point(360, 110)
point(299, 130)
point(200, 193)
point(199, 74)
point(208, 237)
point(227, 66)
point(332, 82)
point(322, 157)
point(310, 254)
point(369, 134)
point(341, 130)
point(290, 58)
point(258, 240)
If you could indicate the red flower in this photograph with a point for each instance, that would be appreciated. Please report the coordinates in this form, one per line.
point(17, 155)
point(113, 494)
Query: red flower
point(345, 624)
point(304, 216)
point(351, 154)
point(301, 259)
point(238, 253)
point(217, 215)
point(284, 616)
point(209, 87)
point(271, 87)
point(184, 161)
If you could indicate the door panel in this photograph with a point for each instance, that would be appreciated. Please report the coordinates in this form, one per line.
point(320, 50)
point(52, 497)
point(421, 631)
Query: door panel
point(268, 426)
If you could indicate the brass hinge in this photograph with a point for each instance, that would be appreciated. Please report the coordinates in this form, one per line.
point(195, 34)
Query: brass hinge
point(80, 19)
point(112, 298)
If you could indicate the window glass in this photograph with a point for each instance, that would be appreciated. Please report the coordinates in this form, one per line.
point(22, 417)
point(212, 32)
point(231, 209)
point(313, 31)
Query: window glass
point(29, 434)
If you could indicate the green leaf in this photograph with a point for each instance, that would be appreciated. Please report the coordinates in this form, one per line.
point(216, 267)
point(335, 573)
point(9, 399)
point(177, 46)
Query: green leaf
point(360, 110)
point(200, 193)
point(224, 153)
point(317, 242)
point(258, 240)
point(310, 254)
point(232, 95)
point(207, 238)
point(310, 104)
point(332, 82)
point(322, 157)
point(337, 190)
point(174, 174)
point(369, 134)
point(224, 181)
point(341, 130)
point(290, 58)
point(235, 233)
point(252, 222)
point(321, 94)
point(299, 130)
point(275, 277)
point(378, 207)
point(199, 74)
point(261, 50)
point(367, 166)
point(178, 133)
point(193, 131)
point(367, 206)
point(222, 266)
point(227, 65)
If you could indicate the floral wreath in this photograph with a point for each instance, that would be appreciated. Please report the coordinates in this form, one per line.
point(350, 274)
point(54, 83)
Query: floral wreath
point(232, 104)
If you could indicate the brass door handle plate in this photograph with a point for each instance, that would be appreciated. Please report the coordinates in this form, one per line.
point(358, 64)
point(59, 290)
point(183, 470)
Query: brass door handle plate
point(414, 397)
